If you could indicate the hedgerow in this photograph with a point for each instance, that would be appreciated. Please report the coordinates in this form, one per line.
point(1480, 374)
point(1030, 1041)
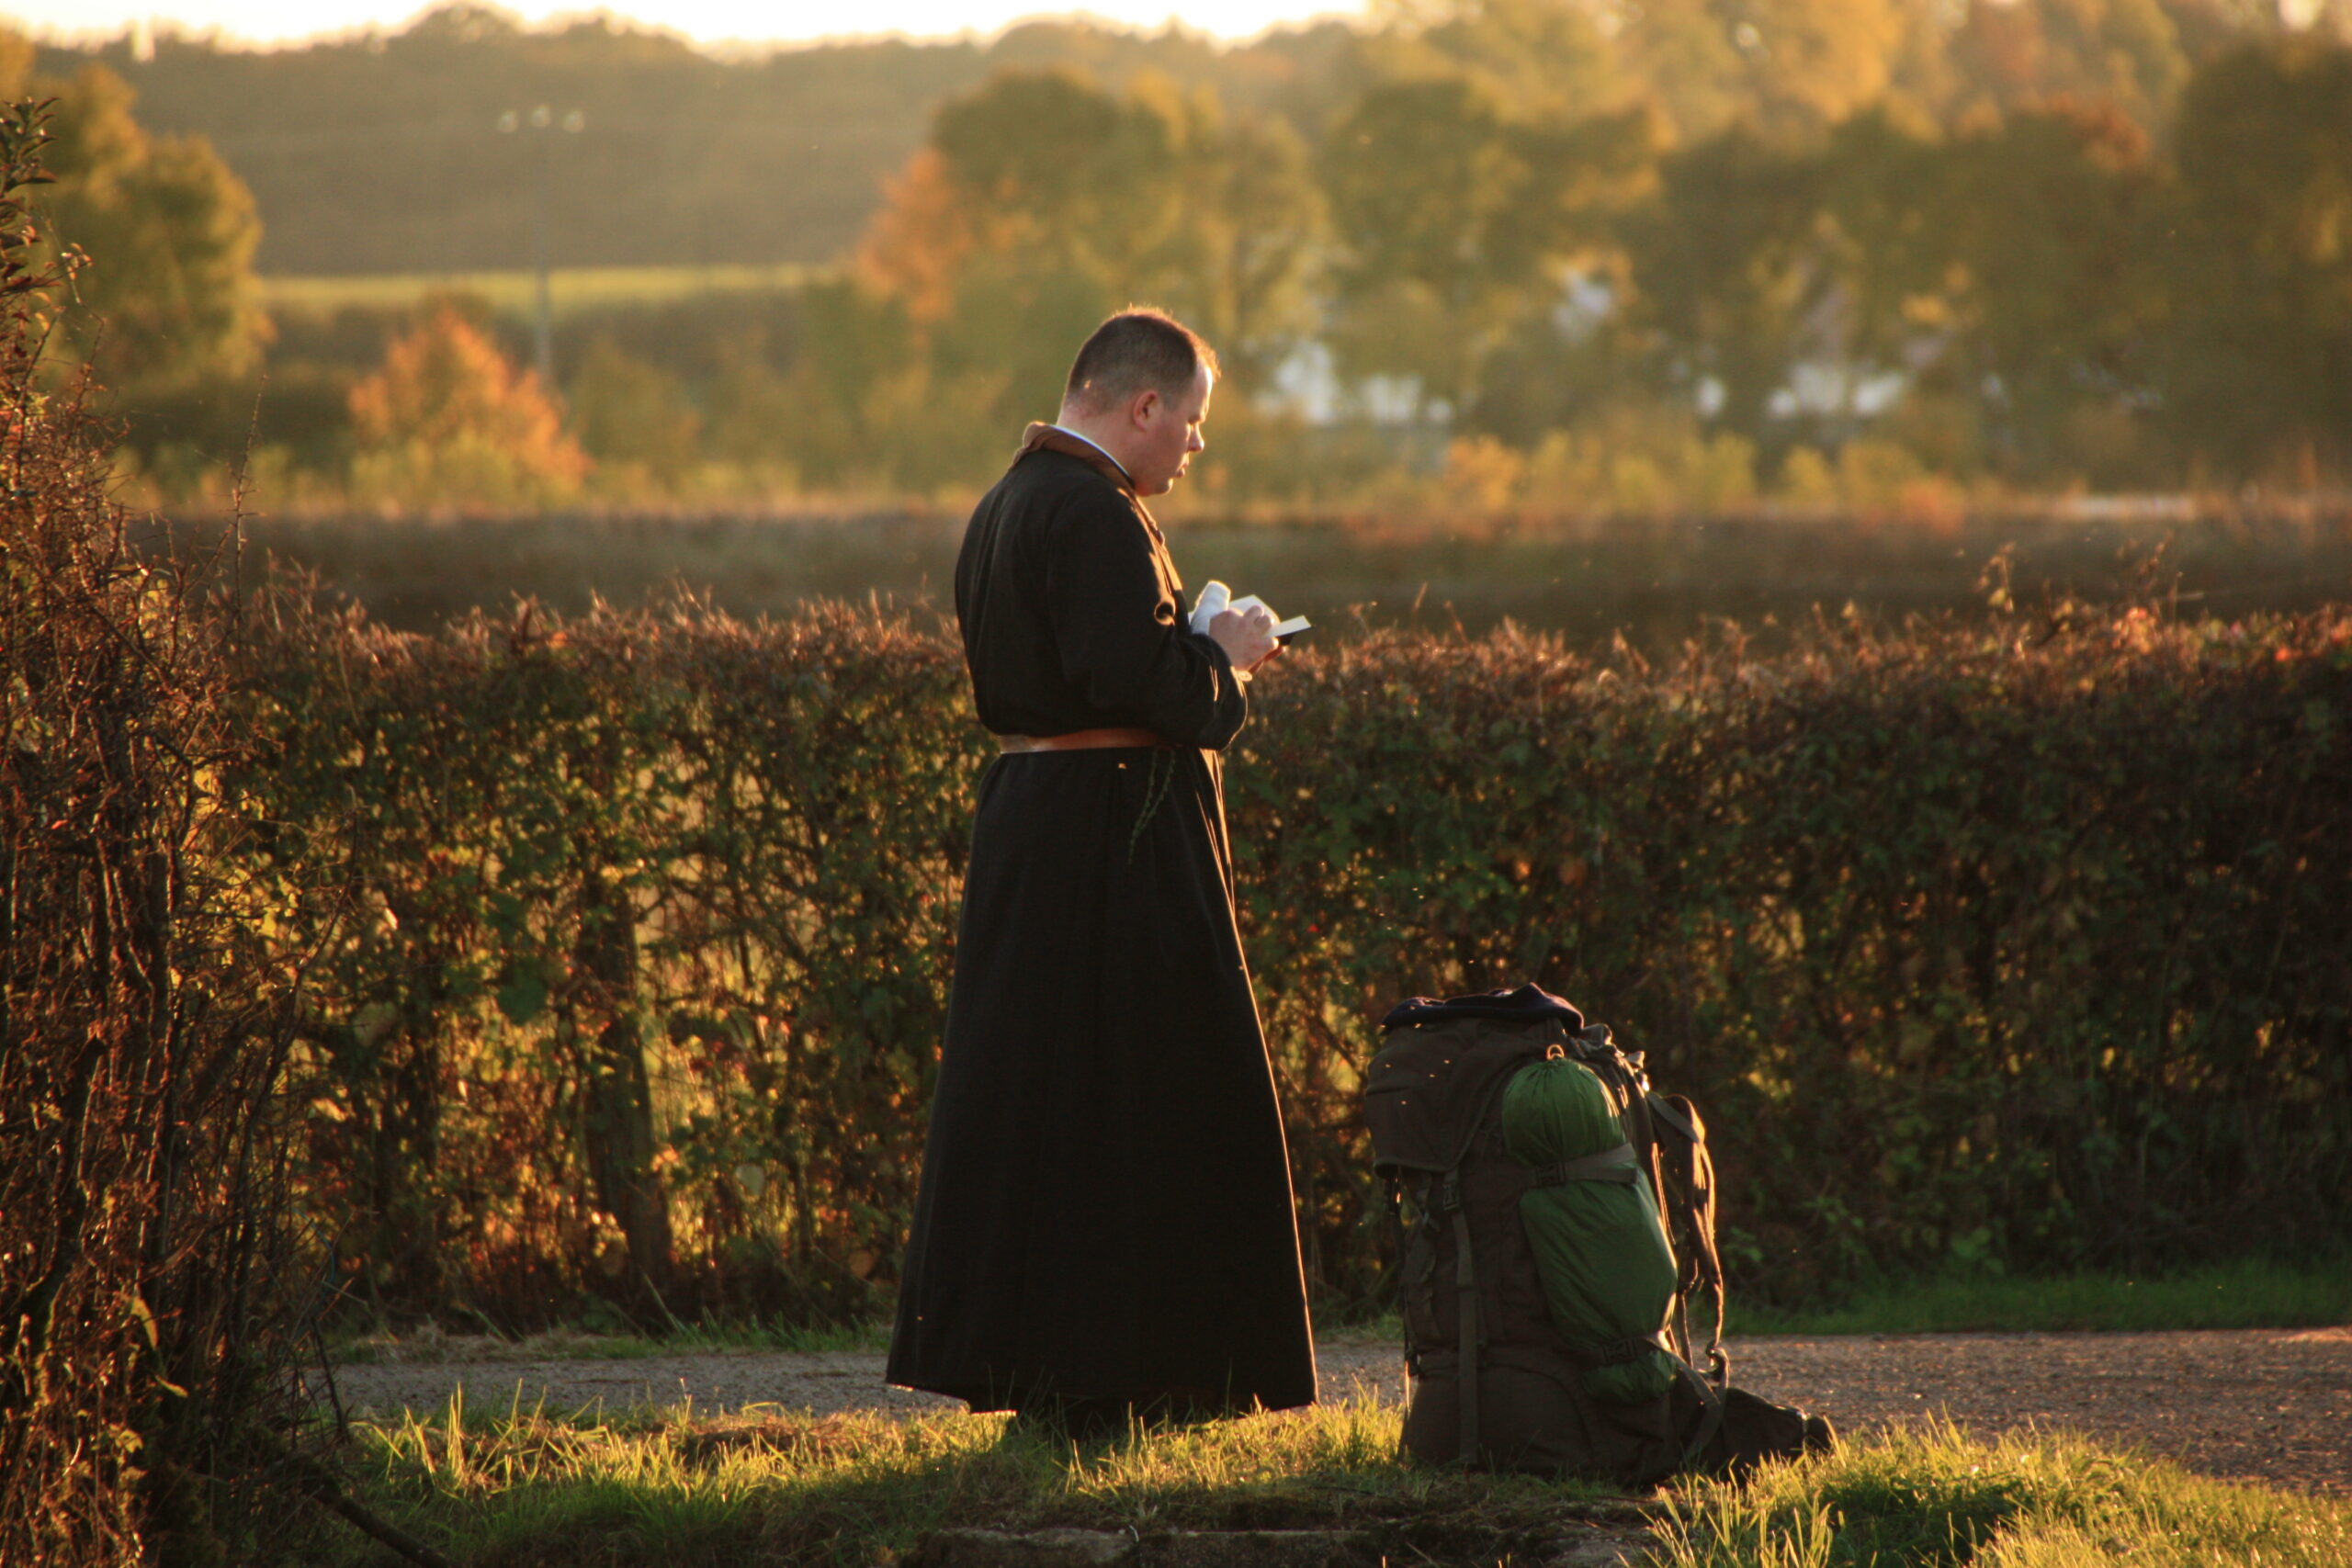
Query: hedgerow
point(2014, 946)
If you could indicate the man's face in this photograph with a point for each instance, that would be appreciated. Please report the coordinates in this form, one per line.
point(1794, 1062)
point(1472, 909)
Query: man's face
point(1168, 434)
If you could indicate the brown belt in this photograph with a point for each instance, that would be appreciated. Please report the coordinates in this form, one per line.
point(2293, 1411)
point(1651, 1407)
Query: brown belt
point(1085, 740)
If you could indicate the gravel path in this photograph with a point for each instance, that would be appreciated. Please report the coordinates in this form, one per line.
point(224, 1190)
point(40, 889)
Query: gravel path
point(2272, 1405)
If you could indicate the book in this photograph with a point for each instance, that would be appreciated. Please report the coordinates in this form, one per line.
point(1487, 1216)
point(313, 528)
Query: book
point(1284, 630)
point(1216, 597)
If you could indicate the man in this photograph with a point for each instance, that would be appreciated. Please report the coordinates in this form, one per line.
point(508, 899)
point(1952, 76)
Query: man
point(1104, 1229)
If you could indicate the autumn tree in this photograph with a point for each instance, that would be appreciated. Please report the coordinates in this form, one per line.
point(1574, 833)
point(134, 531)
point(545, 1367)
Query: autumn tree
point(2033, 54)
point(1534, 59)
point(448, 421)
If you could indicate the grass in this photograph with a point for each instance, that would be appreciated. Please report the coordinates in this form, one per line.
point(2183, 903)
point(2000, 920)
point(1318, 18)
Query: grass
point(2252, 1294)
point(1929, 1496)
point(522, 1488)
point(569, 289)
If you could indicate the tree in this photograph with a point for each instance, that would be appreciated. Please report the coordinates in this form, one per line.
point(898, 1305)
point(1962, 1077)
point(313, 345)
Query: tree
point(1039, 201)
point(2260, 372)
point(2057, 222)
point(632, 417)
point(1726, 267)
point(1456, 219)
point(448, 421)
point(2035, 53)
point(1785, 67)
point(1537, 58)
point(1047, 160)
point(1419, 174)
point(169, 297)
point(1042, 202)
point(1250, 250)
point(151, 1279)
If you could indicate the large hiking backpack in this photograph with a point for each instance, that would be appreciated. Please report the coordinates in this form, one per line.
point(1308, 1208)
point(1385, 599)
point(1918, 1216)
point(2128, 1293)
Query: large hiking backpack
point(1546, 1299)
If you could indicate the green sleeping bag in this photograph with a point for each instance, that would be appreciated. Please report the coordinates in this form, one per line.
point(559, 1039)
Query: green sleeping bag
point(1607, 1267)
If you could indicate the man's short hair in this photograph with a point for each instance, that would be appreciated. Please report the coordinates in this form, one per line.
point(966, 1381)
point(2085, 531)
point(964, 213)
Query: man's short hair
point(1135, 351)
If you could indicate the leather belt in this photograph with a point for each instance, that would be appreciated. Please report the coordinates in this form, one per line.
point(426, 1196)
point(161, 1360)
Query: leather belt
point(1085, 740)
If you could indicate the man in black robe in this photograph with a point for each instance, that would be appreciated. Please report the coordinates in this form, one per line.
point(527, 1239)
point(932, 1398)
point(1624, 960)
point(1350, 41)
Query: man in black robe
point(1105, 1224)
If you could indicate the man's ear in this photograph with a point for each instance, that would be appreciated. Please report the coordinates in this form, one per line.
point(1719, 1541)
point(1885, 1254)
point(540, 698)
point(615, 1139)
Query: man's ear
point(1146, 402)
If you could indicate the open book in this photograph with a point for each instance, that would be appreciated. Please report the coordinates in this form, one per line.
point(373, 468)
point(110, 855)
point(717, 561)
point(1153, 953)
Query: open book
point(1216, 597)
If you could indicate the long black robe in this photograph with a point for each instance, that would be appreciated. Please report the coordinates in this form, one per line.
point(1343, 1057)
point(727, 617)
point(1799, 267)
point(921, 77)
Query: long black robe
point(1105, 1208)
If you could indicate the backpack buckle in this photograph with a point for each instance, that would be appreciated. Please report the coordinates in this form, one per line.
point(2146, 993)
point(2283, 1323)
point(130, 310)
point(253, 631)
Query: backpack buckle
point(1449, 1193)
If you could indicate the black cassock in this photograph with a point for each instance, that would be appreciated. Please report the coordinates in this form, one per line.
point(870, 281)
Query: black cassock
point(1105, 1208)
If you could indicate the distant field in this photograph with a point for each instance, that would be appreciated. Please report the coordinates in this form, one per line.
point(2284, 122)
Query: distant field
point(1655, 582)
point(569, 289)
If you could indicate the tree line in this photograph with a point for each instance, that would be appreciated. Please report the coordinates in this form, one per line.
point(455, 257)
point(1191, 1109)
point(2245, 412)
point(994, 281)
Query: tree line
point(1518, 256)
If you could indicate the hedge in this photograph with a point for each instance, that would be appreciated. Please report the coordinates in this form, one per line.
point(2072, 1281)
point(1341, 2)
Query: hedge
point(2012, 947)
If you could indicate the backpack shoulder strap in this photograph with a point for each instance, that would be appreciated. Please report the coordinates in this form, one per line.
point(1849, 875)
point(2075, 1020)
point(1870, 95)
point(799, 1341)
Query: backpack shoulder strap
point(1468, 1320)
point(1690, 1173)
point(1465, 1317)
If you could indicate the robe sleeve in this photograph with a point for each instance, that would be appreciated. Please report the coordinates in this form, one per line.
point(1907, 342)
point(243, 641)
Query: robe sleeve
point(1120, 637)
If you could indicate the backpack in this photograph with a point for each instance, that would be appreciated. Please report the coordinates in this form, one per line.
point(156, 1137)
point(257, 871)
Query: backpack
point(1569, 1349)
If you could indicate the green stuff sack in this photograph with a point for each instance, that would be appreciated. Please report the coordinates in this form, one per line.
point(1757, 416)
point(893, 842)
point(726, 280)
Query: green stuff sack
point(1607, 1268)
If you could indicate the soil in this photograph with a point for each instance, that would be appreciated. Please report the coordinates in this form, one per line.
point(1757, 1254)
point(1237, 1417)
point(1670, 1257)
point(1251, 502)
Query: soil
point(2272, 1405)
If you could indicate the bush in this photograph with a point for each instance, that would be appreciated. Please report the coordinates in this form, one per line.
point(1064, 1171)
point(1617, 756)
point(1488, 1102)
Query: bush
point(147, 1270)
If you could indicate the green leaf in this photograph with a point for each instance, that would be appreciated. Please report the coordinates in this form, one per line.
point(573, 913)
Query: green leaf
point(522, 998)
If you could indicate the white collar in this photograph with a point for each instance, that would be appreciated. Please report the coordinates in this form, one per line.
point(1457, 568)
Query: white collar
point(1074, 435)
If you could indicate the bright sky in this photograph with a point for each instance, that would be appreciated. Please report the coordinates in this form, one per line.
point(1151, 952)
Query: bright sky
point(711, 21)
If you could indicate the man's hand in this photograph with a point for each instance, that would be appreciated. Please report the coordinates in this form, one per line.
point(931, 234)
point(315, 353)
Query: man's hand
point(1247, 636)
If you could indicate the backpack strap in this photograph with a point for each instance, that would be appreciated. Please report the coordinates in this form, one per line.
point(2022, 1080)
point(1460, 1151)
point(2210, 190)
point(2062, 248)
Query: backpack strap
point(1618, 1352)
point(1710, 1421)
point(1465, 1327)
point(1692, 1168)
point(1617, 1165)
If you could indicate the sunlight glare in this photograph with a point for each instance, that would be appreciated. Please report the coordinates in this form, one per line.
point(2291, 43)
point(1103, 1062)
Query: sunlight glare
point(706, 21)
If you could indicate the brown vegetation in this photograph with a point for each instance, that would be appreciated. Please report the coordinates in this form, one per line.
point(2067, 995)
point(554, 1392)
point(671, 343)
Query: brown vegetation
point(148, 1272)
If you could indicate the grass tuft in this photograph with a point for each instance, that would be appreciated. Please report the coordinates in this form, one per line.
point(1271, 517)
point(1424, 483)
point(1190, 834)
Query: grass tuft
point(1931, 1495)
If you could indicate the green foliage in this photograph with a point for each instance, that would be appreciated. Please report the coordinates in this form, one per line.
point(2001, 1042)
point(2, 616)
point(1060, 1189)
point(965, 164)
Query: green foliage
point(1007, 250)
point(730, 854)
point(2264, 153)
point(1994, 949)
point(634, 419)
point(167, 292)
point(754, 158)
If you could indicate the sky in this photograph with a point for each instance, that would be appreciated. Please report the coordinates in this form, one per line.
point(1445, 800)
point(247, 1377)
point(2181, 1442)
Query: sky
point(708, 21)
